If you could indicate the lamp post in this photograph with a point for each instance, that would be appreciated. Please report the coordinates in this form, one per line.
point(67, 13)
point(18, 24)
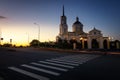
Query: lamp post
point(38, 32)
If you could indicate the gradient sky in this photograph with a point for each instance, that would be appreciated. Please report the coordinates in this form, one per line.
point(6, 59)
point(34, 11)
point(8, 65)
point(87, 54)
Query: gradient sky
point(17, 18)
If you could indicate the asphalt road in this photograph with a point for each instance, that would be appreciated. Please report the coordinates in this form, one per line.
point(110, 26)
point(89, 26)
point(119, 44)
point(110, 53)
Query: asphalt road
point(32, 64)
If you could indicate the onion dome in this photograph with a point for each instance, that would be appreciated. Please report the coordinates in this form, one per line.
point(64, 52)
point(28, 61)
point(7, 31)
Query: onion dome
point(77, 22)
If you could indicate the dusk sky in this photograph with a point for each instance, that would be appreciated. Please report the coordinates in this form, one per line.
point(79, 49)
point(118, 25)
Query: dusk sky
point(17, 18)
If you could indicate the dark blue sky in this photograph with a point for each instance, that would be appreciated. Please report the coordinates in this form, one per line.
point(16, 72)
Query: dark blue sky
point(21, 14)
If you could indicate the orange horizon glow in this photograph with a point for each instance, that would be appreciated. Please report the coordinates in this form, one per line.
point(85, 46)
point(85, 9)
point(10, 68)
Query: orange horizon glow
point(22, 35)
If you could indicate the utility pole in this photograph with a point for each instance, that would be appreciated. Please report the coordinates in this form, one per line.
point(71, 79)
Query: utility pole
point(38, 32)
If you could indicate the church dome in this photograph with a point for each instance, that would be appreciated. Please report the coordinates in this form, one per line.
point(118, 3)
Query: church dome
point(77, 26)
point(77, 22)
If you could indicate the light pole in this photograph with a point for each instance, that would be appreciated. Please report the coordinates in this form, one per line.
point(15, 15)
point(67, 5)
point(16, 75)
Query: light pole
point(38, 32)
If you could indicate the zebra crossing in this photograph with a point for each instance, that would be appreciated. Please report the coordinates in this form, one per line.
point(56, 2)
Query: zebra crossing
point(54, 66)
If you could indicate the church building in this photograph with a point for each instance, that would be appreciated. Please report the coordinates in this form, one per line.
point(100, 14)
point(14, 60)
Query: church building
point(93, 39)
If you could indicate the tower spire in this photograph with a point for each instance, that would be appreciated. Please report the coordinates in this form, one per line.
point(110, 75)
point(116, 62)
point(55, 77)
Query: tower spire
point(63, 10)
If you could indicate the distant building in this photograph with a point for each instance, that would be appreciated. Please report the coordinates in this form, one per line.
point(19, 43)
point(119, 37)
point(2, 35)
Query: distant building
point(93, 39)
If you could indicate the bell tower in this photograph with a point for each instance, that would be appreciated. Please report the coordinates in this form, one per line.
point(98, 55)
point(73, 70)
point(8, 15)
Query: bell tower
point(63, 24)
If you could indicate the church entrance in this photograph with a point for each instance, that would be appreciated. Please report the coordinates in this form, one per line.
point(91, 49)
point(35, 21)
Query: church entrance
point(95, 44)
point(85, 44)
point(105, 44)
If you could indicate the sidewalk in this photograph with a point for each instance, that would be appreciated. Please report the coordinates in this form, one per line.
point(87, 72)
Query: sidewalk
point(78, 51)
point(118, 53)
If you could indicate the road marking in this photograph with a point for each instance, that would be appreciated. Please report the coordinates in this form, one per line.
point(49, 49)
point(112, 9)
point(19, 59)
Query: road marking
point(66, 66)
point(42, 70)
point(69, 61)
point(65, 62)
point(75, 60)
point(36, 76)
point(52, 67)
point(72, 57)
point(73, 64)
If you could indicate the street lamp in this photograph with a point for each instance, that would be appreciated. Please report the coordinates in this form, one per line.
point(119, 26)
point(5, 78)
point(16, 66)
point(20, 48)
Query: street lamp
point(38, 32)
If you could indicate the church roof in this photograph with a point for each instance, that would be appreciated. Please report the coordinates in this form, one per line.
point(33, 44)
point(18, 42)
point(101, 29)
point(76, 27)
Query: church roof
point(94, 30)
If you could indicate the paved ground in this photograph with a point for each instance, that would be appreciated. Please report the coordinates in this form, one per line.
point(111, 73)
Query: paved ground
point(34, 64)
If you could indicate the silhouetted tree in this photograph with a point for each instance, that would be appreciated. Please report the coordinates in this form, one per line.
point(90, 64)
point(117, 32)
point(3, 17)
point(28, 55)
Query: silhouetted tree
point(73, 41)
point(34, 43)
point(63, 44)
point(7, 45)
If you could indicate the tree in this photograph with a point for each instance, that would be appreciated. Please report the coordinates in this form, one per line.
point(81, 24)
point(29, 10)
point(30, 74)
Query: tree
point(34, 43)
point(7, 45)
point(63, 44)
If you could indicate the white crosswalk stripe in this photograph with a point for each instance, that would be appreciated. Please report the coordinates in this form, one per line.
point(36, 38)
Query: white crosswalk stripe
point(69, 61)
point(33, 75)
point(73, 64)
point(79, 59)
point(42, 70)
point(54, 66)
point(61, 65)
